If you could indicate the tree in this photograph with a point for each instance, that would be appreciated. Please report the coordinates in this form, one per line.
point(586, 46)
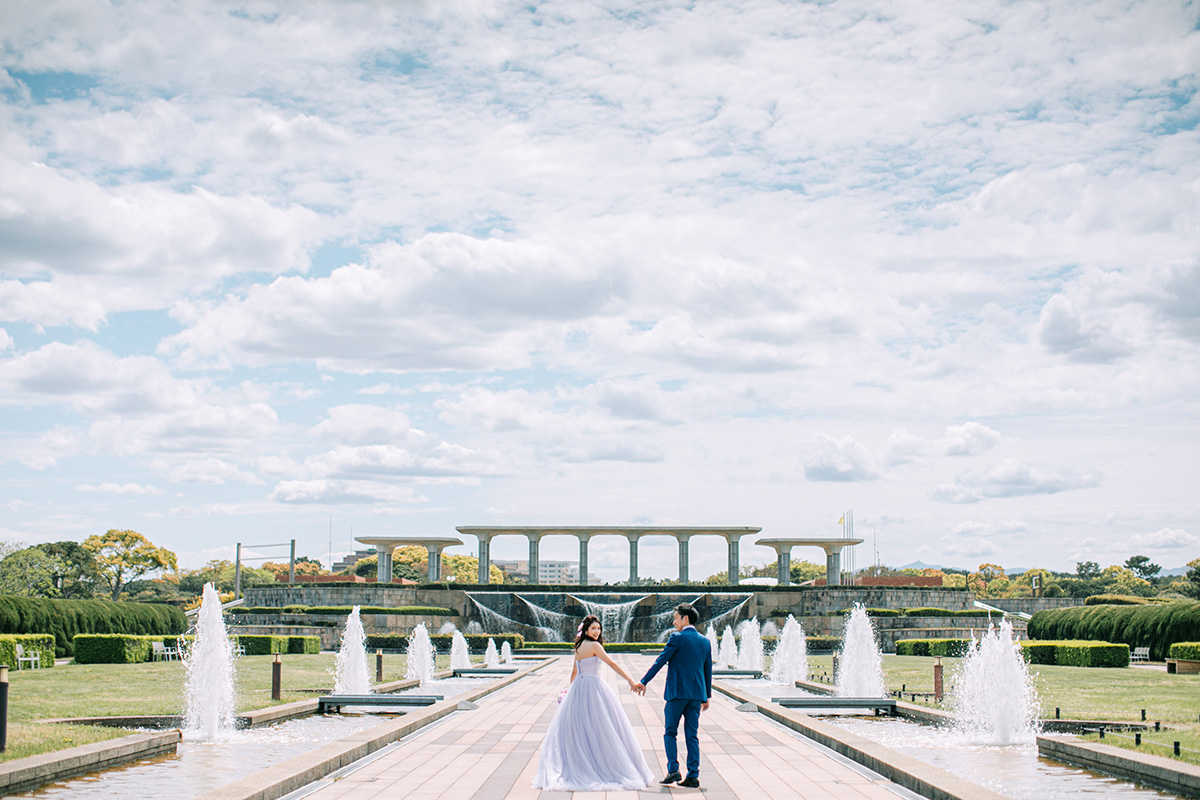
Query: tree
point(124, 555)
point(76, 573)
point(1192, 589)
point(1087, 570)
point(1141, 566)
point(28, 573)
point(804, 571)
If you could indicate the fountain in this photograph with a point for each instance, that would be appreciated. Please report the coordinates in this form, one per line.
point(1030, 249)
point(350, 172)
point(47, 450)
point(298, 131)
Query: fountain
point(712, 641)
point(992, 694)
point(447, 629)
point(460, 657)
point(350, 666)
point(474, 628)
point(616, 620)
point(770, 630)
point(728, 654)
point(506, 653)
point(491, 658)
point(790, 662)
point(750, 653)
point(860, 668)
point(209, 691)
point(420, 655)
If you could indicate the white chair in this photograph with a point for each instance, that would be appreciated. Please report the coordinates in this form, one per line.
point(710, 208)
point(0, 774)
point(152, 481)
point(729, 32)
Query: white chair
point(34, 659)
point(172, 652)
point(1140, 654)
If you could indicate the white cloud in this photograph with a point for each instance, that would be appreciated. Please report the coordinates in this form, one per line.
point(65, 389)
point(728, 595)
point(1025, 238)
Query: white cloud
point(970, 438)
point(366, 424)
point(119, 488)
point(326, 492)
point(1012, 478)
point(1163, 539)
point(6, 341)
point(212, 471)
point(841, 460)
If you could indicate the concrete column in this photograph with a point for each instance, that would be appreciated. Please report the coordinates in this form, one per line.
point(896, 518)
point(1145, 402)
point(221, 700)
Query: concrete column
point(785, 567)
point(735, 565)
point(533, 557)
point(485, 558)
point(383, 566)
point(833, 567)
point(435, 564)
point(583, 559)
point(683, 558)
point(633, 559)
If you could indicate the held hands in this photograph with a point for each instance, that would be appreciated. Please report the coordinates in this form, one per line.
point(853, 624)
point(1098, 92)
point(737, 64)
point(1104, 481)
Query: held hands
point(637, 688)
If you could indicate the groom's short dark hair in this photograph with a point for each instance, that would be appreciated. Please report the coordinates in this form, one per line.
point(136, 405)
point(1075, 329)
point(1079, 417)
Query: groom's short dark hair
point(686, 610)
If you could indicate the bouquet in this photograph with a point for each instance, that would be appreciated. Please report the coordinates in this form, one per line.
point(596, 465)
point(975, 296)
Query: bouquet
point(563, 694)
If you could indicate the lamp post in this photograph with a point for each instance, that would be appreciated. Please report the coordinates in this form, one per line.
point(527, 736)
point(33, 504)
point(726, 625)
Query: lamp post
point(937, 678)
point(3, 706)
point(277, 678)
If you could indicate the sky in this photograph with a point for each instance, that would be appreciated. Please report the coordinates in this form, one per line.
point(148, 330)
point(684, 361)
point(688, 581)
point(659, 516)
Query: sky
point(318, 270)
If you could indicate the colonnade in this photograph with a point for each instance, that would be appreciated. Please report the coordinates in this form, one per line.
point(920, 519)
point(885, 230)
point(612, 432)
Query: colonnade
point(833, 556)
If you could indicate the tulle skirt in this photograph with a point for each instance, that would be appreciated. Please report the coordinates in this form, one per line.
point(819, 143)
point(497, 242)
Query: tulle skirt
point(590, 745)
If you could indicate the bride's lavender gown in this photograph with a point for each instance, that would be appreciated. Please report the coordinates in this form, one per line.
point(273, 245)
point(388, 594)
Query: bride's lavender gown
point(590, 745)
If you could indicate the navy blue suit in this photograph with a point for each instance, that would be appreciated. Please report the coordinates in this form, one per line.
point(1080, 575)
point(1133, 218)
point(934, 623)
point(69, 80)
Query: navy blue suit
point(688, 658)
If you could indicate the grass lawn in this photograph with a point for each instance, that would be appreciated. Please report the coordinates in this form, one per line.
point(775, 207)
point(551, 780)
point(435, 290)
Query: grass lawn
point(109, 690)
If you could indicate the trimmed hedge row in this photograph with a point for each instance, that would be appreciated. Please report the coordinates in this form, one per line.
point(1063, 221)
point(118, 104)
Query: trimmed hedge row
point(1076, 653)
point(918, 612)
point(426, 611)
point(476, 642)
point(1188, 651)
point(1155, 625)
point(1116, 600)
point(41, 643)
point(64, 619)
point(933, 647)
point(121, 649)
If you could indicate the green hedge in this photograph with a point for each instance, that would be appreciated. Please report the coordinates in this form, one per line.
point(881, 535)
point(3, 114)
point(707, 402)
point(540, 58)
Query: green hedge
point(1116, 600)
point(426, 611)
point(64, 619)
point(945, 612)
point(933, 647)
point(304, 645)
point(117, 648)
point(1188, 651)
point(823, 644)
point(1156, 625)
point(262, 645)
point(41, 643)
point(476, 642)
point(1076, 653)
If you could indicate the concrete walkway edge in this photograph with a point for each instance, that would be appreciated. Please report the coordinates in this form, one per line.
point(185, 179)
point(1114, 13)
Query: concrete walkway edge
point(23, 774)
point(1158, 771)
point(911, 773)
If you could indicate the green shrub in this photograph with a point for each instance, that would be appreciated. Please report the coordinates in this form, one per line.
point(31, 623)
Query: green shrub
point(112, 648)
point(41, 643)
point(1076, 653)
point(948, 648)
point(476, 642)
point(1116, 600)
point(945, 612)
point(263, 645)
point(823, 644)
point(1188, 651)
point(64, 619)
point(1040, 652)
point(304, 645)
point(1155, 625)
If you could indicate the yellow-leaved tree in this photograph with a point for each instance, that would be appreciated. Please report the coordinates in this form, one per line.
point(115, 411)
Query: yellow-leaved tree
point(123, 556)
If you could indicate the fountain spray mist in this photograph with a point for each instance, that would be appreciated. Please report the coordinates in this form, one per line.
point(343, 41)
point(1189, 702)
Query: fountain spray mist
point(350, 667)
point(750, 652)
point(460, 657)
point(992, 694)
point(208, 693)
point(790, 662)
point(860, 669)
point(420, 655)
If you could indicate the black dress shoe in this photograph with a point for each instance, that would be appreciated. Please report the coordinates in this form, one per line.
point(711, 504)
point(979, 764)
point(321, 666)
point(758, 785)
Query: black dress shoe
point(671, 777)
point(691, 783)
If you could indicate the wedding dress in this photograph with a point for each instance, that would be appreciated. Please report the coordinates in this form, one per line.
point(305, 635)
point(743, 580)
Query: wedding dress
point(590, 745)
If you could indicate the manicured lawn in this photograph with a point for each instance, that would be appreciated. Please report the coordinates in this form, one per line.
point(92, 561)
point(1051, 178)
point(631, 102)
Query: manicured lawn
point(107, 690)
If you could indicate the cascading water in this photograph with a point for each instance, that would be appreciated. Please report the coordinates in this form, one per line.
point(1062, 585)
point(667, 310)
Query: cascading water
point(506, 653)
point(551, 625)
point(992, 693)
point(750, 652)
point(615, 619)
point(728, 654)
point(790, 662)
point(491, 659)
point(420, 655)
point(350, 667)
point(209, 693)
point(474, 628)
point(860, 668)
point(460, 657)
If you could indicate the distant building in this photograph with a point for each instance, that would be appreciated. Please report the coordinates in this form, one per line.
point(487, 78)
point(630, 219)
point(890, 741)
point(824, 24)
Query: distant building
point(514, 569)
point(350, 560)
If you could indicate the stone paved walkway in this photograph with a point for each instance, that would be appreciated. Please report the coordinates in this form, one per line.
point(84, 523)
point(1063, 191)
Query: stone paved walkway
point(492, 753)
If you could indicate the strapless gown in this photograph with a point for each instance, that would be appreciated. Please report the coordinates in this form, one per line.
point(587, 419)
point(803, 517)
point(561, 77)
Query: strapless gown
point(590, 745)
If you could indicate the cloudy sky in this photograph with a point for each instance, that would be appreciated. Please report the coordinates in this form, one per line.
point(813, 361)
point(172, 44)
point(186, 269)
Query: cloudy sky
point(269, 269)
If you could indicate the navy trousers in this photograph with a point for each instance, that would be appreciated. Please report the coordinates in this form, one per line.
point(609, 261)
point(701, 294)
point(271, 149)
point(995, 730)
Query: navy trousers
point(690, 711)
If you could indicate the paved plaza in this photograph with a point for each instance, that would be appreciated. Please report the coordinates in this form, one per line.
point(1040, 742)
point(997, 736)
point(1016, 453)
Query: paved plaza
point(491, 753)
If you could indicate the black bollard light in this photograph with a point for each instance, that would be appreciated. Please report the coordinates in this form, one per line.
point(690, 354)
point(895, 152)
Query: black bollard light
point(1057, 713)
point(1102, 733)
point(1137, 740)
point(3, 706)
point(277, 678)
point(1143, 715)
point(1157, 726)
point(1177, 748)
point(379, 666)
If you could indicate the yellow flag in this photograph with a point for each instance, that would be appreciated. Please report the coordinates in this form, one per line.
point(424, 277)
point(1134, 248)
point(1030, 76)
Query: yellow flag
point(842, 521)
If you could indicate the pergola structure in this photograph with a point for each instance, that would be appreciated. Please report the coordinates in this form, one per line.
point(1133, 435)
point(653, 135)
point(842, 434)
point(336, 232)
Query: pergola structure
point(833, 556)
point(386, 545)
point(584, 534)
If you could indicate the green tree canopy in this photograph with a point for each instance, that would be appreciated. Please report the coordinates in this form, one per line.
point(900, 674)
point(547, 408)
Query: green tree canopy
point(1141, 566)
point(28, 573)
point(1087, 570)
point(124, 555)
point(76, 573)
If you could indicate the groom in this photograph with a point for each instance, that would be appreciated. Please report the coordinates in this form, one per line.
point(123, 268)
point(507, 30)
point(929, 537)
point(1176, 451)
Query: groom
point(688, 657)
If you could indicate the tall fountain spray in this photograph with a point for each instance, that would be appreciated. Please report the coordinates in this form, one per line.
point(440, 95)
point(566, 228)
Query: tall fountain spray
point(460, 657)
point(992, 694)
point(350, 667)
point(447, 629)
point(506, 653)
point(728, 655)
point(208, 693)
point(790, 662)
point(770, 630)
point(491, 659)
point(860, 669)
point(420, 655)
point(713, 642)
point(750, 653)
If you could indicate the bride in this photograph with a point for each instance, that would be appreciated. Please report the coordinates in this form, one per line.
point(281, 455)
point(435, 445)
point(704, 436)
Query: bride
point(590, 745)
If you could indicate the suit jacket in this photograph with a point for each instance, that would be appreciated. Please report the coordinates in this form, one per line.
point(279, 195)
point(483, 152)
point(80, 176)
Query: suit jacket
point(688, 658)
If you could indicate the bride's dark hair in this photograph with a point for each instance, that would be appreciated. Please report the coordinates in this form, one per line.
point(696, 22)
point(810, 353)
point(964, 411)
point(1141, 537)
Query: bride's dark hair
point(583, 629)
